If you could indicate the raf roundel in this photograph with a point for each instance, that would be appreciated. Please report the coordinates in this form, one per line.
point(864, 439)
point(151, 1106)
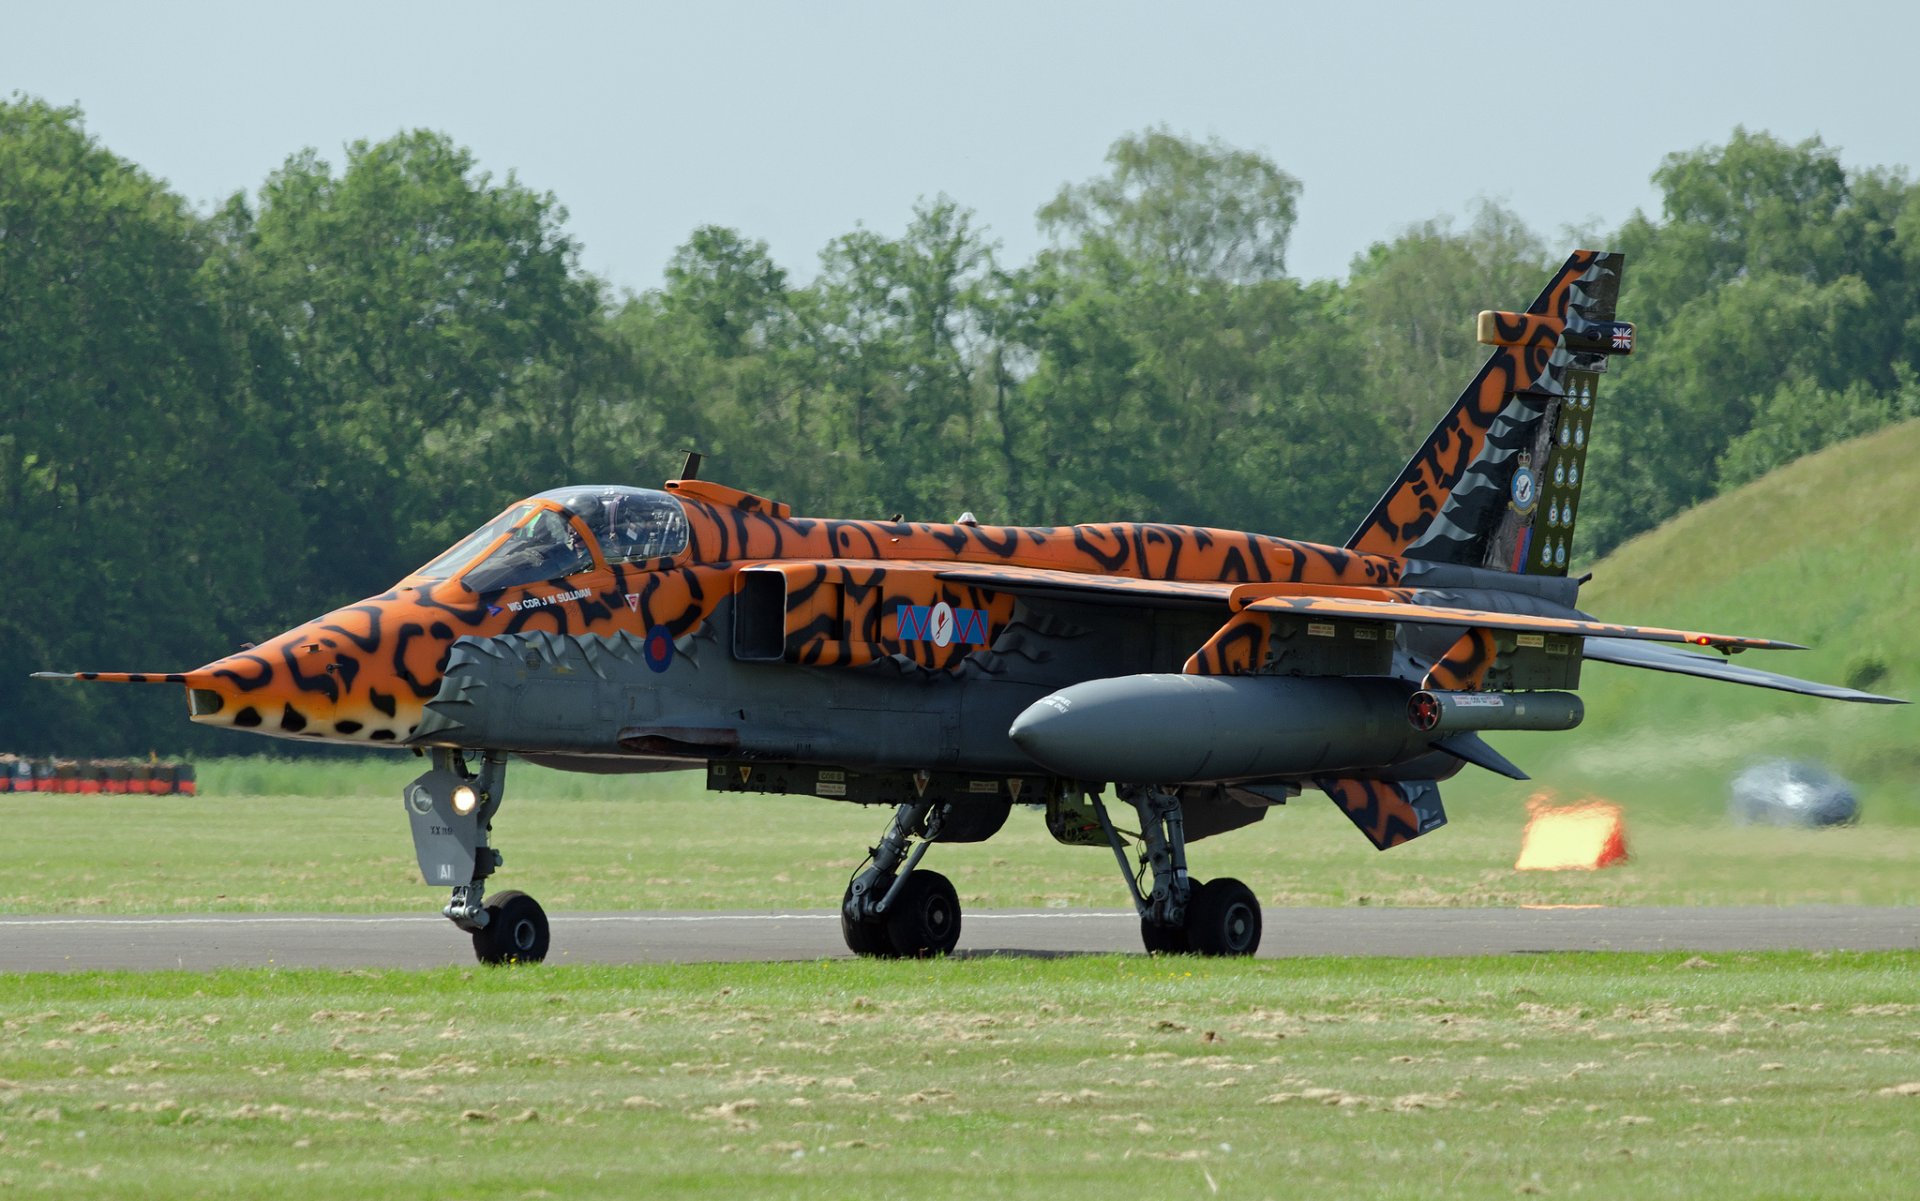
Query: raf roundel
point(659, 648)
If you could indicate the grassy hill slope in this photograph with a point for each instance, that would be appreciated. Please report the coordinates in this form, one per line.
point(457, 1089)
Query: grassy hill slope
point(1825, 552)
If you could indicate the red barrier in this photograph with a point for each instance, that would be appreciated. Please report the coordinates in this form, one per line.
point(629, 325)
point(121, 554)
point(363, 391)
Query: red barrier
point(91, 777)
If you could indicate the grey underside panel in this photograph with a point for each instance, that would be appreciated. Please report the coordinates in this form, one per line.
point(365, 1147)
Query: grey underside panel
point(1659, 657)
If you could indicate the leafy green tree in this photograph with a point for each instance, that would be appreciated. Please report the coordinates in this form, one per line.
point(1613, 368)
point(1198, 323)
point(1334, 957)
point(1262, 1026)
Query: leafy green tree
point(140, 503)
point(1800, 417)
point(440, 343)
point(1702, 386)
point(893, 319)
point(723, 362)
point(1183, 209)
point(1178, 373)
point(1413, 302)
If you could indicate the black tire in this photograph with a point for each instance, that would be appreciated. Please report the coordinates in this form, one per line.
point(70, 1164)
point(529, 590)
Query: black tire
point(924, 920)
point(868, 939)
point(1163, 940)
point(516, 931)
point(1171, 940)
point(864, 937)
point(1224, 919)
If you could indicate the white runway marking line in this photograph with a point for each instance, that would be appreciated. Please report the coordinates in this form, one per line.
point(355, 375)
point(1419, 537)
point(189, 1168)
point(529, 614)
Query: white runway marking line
point(564, 919)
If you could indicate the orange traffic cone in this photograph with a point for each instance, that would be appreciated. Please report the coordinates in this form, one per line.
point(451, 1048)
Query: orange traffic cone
point(1579, 837)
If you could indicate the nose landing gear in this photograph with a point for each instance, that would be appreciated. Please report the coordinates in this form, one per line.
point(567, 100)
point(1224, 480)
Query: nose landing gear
point(451, 811)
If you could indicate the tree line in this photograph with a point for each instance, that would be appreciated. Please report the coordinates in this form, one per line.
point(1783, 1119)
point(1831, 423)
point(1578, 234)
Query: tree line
point(216, 424)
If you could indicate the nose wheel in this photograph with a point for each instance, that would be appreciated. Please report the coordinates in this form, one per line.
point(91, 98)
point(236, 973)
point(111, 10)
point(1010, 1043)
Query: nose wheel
point(516, 931)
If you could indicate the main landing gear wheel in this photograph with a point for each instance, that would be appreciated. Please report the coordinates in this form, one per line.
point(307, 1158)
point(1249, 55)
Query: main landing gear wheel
point(1223, 918)
point(924, 919)
point(1163, 940)
point(865, 938)
point(893, 910)
point(516, 931)
point(1170, 940)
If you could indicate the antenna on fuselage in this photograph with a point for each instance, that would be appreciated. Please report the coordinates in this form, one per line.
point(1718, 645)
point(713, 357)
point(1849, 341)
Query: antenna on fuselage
point(690, 470)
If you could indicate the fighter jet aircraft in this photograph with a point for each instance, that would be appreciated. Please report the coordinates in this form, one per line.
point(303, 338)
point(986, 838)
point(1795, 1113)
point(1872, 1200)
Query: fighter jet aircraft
point(953, 670)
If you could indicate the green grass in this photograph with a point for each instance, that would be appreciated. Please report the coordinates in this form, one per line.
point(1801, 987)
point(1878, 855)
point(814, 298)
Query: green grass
point(1761, 1075)
point(594, 843)
point(1820, 552)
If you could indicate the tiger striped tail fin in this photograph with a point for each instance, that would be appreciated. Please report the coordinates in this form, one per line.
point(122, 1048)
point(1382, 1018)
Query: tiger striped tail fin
point(1497, 483)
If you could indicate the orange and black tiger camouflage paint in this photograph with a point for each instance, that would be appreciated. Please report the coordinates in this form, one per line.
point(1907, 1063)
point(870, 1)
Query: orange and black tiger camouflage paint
point(1385, 810)
point(1465, 664)
point(363, 673)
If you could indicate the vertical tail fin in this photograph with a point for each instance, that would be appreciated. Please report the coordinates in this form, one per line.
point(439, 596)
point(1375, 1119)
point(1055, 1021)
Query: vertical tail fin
point(1497, 484)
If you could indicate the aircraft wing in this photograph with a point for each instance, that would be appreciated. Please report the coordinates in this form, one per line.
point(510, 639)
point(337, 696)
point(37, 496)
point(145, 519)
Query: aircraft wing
point(1655, 657)
point(1094, 589)
point(1354, 609)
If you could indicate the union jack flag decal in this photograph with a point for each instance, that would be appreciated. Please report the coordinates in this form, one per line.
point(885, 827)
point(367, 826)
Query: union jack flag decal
point(1622, 336)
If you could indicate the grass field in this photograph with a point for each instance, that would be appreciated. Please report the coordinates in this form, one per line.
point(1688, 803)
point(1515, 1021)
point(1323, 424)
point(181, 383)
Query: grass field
point(1779, 1075)
point(593, 843)
point(1819, 552)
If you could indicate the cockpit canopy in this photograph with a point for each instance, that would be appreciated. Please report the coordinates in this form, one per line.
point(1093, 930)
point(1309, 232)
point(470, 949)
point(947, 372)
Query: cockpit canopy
point(565, 532)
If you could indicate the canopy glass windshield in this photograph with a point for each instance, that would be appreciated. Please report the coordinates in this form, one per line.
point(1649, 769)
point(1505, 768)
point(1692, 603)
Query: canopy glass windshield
point(465, 550)
point(631, 524)
point(545, 546)
point(535, 540)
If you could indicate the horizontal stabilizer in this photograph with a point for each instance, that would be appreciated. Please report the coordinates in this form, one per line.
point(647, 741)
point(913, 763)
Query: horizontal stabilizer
point(1369, 610)
point(1471, 748)
point(1671, 658)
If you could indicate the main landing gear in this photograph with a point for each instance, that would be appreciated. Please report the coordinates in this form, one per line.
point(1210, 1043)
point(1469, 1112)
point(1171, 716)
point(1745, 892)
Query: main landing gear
point(895, 909)
point(1177, 913)
point(451, 810)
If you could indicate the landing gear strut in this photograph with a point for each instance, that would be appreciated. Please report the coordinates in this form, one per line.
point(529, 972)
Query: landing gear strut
point(893, 909)
point(451, 810)
point(1178, 914)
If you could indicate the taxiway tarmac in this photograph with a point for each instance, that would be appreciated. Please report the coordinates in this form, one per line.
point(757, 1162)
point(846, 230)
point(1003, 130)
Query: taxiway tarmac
point(200, 942)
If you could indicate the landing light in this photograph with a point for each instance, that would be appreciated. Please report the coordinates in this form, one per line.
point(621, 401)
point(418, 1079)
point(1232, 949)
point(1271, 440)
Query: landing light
point(465, 800)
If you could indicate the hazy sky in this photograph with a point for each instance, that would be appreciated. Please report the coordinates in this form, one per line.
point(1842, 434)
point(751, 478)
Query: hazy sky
point(796, 122)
